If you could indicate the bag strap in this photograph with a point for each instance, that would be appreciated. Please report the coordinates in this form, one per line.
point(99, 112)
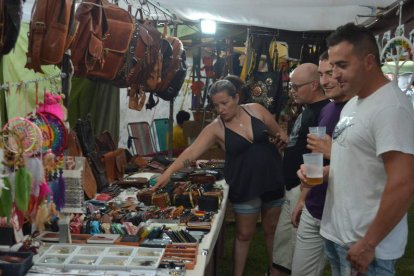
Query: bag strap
point(262, 47)
point(37, 30)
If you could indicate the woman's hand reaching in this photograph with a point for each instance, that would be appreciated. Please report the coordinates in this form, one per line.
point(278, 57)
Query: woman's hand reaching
point(162, 180)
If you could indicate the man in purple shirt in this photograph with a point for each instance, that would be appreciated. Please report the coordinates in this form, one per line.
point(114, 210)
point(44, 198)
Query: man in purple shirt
point(309, 257)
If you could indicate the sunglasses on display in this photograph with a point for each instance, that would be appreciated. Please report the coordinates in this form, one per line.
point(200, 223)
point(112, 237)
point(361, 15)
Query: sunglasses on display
point(295, 87)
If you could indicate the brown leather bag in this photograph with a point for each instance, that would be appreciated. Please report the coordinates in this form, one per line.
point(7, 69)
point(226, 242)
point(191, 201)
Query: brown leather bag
point(87, 47)
point(115, 163)
point(105, 142)
point(116, 42)
point(52, 28)
point(151, 76)
point(136, 59)
point(88, 179)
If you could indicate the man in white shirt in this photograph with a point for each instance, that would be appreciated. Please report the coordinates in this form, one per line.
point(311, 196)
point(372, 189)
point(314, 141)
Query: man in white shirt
point(371, 172)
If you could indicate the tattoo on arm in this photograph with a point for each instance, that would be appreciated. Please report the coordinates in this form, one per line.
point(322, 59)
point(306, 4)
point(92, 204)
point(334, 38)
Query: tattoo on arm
point(186, 163)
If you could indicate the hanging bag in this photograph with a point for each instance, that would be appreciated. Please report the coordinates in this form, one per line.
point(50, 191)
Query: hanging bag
point(115, 43)
point(265, 87)
point(87, 47)
point(52, 29)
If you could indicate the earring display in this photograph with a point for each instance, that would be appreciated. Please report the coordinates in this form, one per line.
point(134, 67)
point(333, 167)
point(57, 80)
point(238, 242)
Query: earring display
point(65, 256)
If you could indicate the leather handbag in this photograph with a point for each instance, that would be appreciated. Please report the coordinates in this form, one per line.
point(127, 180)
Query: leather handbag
point(145, 196)
point(52, 29)
point(137, 58)
point(208, 203)
point(161, 200)
point(115, 43)
point(114, 163)
point(10, 18)
point(87, 47)
point(105, 142)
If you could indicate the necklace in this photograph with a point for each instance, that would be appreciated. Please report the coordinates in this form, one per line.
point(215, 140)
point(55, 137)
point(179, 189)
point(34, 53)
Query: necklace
point(238, 118)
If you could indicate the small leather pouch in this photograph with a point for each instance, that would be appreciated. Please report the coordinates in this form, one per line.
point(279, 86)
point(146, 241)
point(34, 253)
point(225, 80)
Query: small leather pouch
point(145, 196)
point(208, 203)
point(161, 200)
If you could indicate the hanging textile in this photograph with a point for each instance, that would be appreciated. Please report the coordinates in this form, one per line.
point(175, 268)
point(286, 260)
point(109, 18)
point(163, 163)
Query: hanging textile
point(99, 99)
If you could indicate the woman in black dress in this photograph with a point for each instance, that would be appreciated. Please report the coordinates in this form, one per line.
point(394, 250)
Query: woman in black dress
point(252, 168)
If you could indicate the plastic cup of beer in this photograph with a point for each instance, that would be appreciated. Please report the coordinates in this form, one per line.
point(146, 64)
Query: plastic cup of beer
point(313, 168)
point(319, 131)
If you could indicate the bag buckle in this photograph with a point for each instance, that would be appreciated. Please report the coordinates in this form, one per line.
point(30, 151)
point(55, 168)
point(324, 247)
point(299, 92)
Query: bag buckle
point(39, 27)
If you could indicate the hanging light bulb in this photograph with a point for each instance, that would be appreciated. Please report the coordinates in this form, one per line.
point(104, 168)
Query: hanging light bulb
point(208, 26)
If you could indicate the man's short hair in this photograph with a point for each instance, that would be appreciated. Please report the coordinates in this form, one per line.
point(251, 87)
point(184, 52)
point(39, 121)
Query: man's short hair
point(324, 56)
point(360, 37)
point(182, 116)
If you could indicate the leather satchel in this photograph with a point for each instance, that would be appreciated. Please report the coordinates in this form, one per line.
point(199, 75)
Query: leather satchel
point(10, 18)
point(87, 47)
point(115, 43)
point(114, 163)
point(52, 29)
point(137, 58)
point(174, 75)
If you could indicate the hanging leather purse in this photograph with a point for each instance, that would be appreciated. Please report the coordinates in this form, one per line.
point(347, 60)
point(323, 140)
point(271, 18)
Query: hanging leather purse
point(52, 29)
point(87, 47)
point(115, 43)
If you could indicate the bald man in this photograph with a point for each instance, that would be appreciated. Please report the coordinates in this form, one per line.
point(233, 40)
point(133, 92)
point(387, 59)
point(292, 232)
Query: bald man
point(306, 90)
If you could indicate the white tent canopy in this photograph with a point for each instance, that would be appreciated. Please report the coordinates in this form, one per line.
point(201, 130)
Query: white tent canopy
point(294, 15)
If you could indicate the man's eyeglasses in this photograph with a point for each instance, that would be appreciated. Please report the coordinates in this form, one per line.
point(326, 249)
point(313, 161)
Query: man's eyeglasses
point(295, 87)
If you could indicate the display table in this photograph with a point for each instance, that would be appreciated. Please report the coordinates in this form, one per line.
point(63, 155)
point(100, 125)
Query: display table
point(206, 258)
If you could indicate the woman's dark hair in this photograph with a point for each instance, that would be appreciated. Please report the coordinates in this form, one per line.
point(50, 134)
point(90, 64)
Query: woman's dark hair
point(223, 86)
point(241, 88)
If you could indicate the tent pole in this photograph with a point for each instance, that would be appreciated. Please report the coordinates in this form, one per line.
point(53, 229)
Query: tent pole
point(171, 118)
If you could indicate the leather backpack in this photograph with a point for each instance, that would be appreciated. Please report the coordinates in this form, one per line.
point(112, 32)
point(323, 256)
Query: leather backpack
point(10, 18)
point(52, 29)
point(87, 47)
point(171, 83)
point(137, 58)
point(115, 43)
point(151, 76)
